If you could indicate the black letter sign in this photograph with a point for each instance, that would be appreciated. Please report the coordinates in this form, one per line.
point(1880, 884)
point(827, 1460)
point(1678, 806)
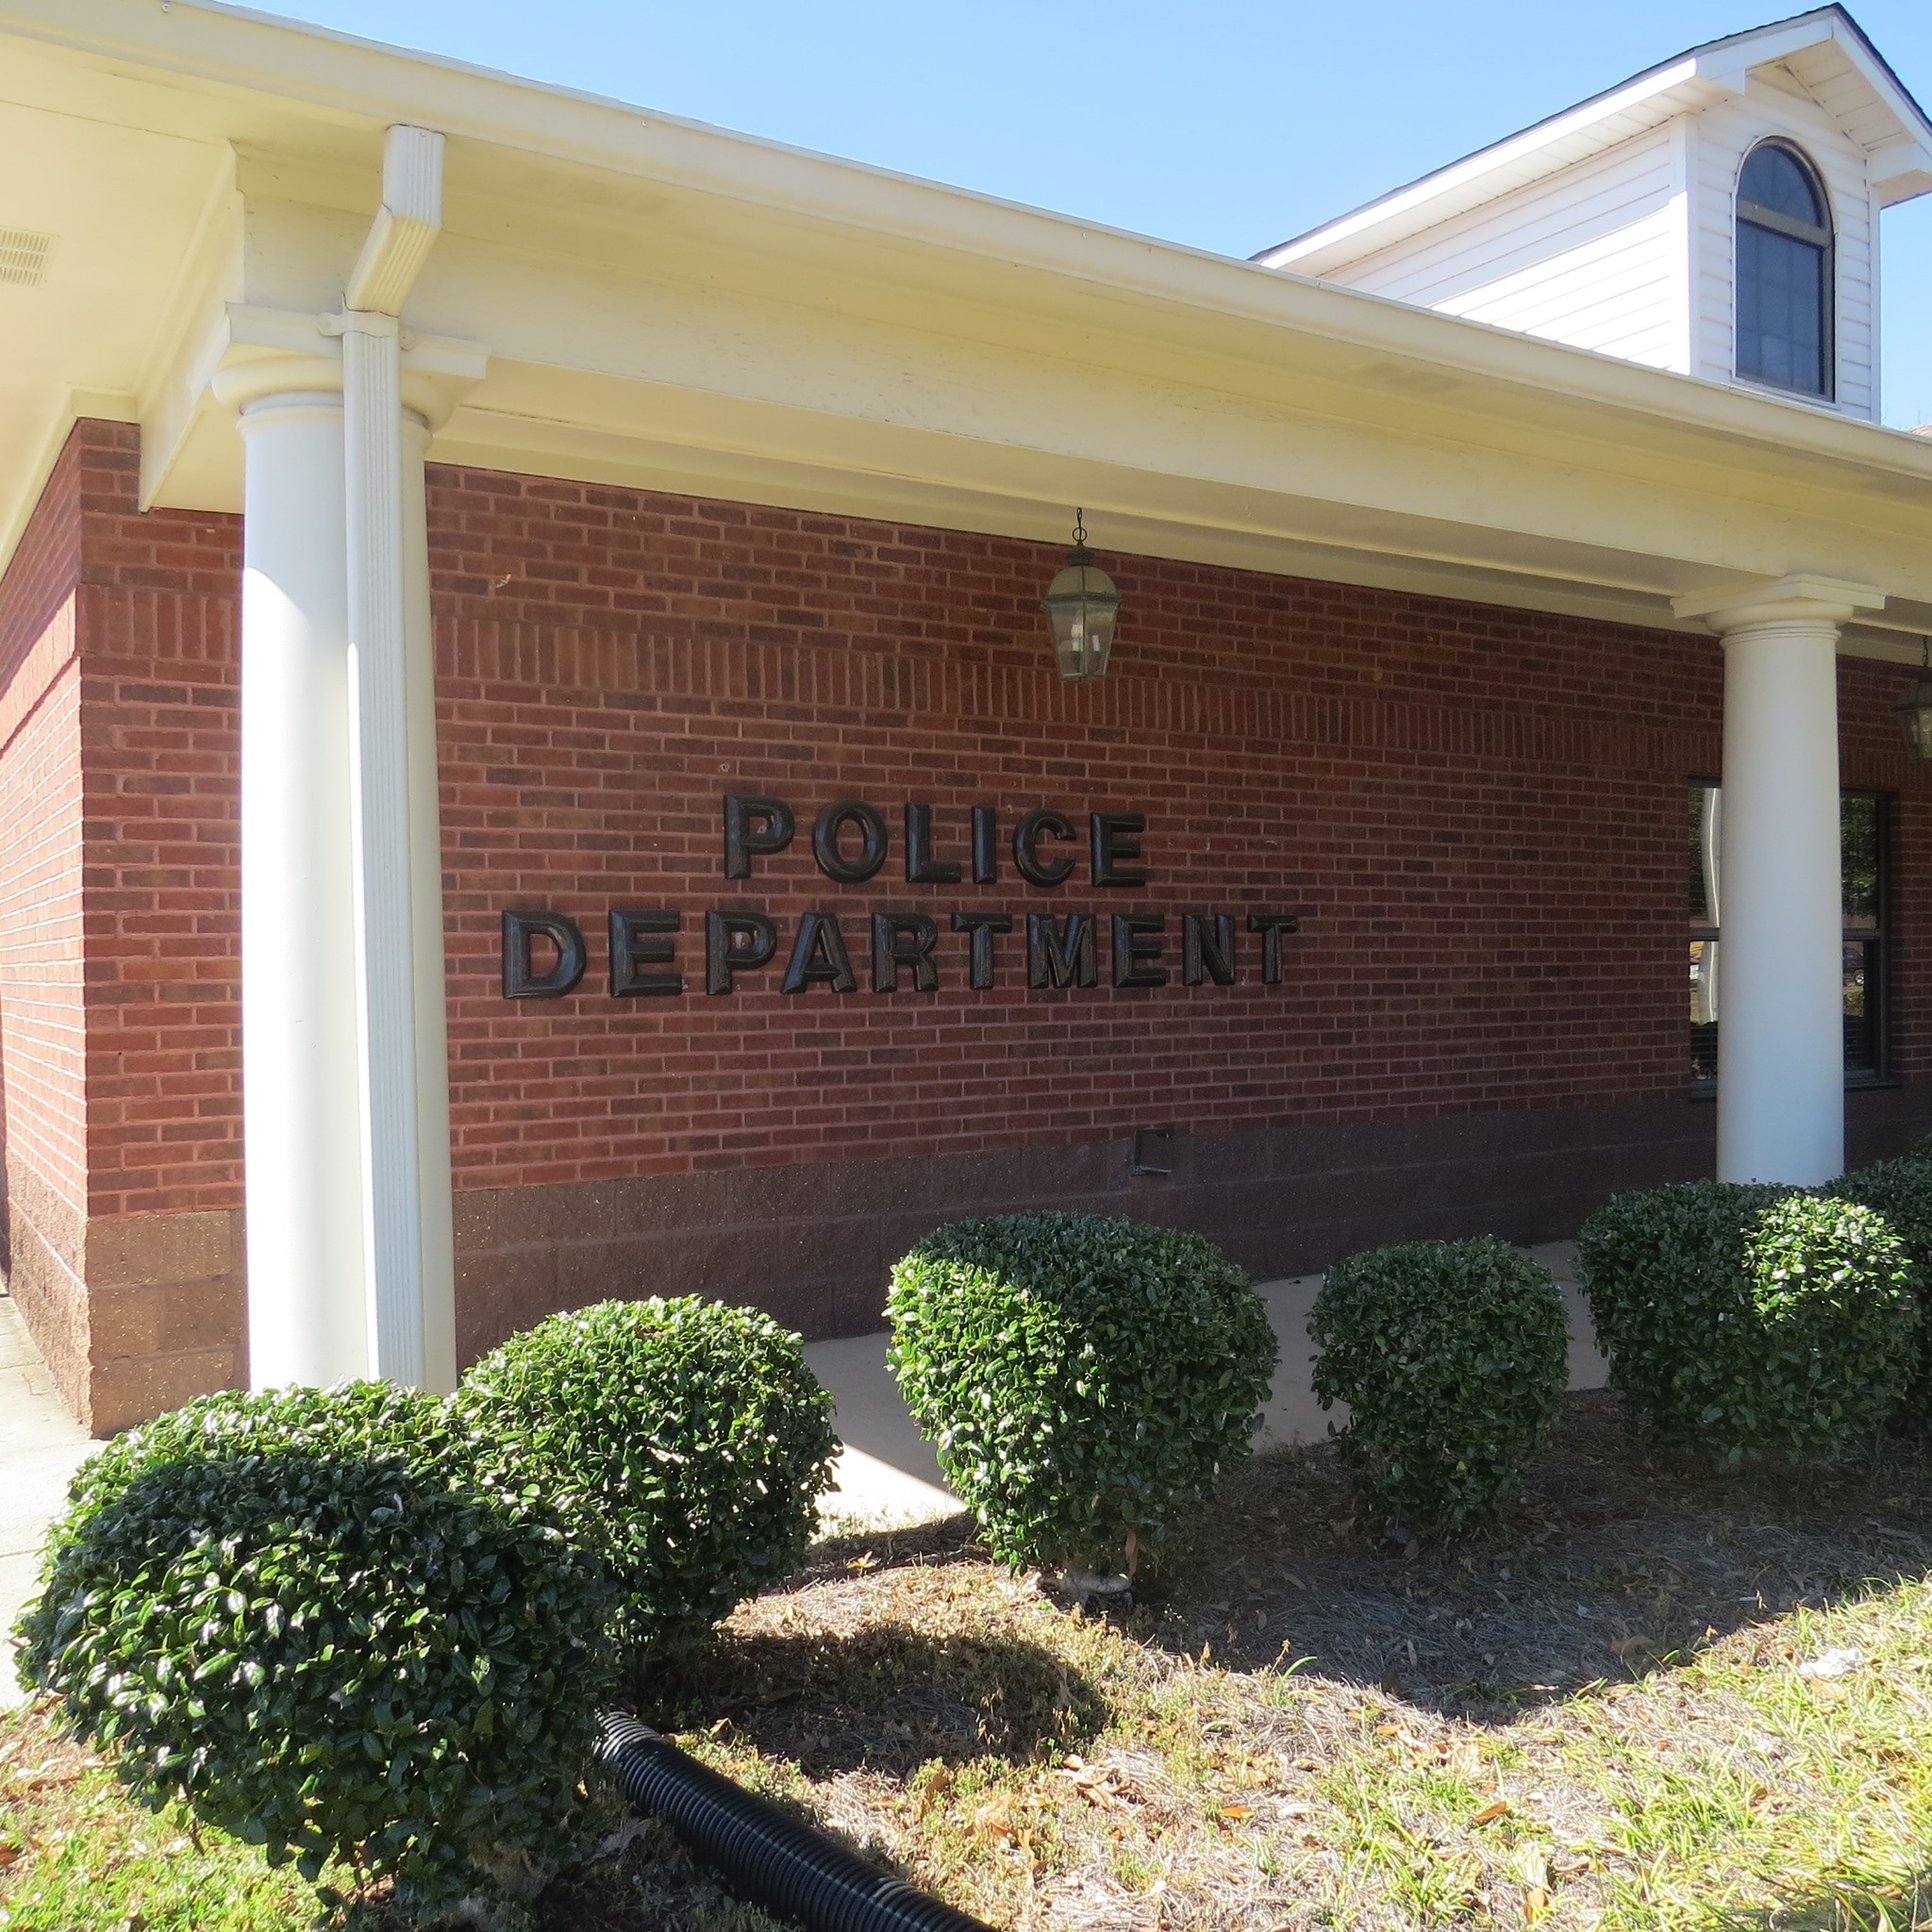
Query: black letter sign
point(520, 980)
point(1115, 836)
point(819, 953)
point(824, 840)
point(1271, 926)
point(922, 868)
point(633, 947)
point(1026, 836)
point(1056, 957)
point(1206, 948)
point(982, 925)
point(754, 825)
point(724, 954)
point(986, 845)
point(1136, 944)
point(903, 938)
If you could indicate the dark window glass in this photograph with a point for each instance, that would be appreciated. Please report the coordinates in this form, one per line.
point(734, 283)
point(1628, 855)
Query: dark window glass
point(1857, 823)
point(1784, 273)
point(1776, 182)
point(1861, 880)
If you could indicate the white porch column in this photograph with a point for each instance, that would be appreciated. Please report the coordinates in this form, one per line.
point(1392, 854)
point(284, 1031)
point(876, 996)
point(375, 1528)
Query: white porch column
point(300, 1093)
point(351, 1270)
point(1781, 1012)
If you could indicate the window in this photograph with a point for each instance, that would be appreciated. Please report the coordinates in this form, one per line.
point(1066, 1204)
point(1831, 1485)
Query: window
point(1861, 875)
point(1784, 273)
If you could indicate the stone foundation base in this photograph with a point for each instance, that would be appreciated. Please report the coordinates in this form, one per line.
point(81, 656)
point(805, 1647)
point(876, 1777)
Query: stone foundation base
point(135, 1313)
point(815, 1243)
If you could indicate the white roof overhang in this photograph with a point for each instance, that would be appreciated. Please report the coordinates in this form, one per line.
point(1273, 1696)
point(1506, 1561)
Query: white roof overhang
point(1824, 50)
point(625, 297)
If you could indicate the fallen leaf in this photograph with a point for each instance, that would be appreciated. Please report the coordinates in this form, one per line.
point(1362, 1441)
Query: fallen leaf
point(1236, 1812)
point(10, 1855)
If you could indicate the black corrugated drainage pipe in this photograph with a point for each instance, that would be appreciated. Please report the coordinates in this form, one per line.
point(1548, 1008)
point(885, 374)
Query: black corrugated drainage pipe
point(767, 1858)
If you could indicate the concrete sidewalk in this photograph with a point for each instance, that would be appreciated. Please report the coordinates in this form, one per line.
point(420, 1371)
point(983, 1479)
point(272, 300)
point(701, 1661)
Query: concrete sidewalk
point(888, 1476)
point(886, 1473)
point(40, 1447)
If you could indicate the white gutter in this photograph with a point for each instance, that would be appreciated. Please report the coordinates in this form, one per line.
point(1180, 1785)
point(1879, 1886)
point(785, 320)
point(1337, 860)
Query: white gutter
point(397, 859)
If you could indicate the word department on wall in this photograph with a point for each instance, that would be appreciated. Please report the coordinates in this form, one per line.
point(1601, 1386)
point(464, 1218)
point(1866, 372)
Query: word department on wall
point(851, 843)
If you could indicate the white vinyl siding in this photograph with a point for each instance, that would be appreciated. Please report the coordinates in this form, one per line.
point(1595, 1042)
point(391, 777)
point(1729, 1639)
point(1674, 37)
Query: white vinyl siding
point(1592, 256)
point(1722, 136)
point(1632, 251)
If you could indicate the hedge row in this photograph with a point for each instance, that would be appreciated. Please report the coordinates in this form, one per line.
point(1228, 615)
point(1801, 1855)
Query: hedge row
point(1737, 1320)
point(1743, 1319)
point(360, 1623)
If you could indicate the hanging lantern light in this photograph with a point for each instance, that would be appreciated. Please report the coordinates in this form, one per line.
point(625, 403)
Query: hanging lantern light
point(1081, 605)
point(1915, 708)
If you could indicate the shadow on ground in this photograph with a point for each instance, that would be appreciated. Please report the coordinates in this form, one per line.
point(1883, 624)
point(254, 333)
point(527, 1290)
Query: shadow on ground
point(1893, 1908)
point(886, 1697)
point(1614, 1561)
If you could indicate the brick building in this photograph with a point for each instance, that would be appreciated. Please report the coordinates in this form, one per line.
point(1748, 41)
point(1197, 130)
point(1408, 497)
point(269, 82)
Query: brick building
point(569, 794)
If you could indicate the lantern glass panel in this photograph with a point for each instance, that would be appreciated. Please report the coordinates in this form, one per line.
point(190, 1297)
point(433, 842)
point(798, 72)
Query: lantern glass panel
point(1915, 713)
point(1081, 607)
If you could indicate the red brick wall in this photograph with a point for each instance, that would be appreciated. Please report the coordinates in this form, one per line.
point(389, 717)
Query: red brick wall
point(1478, 810)
point(42, 1043)
point(159, 614)
point(1481, 812)
point(43, 1031)
point(119, 1111)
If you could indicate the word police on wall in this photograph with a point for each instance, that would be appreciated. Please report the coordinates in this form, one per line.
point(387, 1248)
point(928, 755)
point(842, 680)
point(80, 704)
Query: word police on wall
point(851, 844)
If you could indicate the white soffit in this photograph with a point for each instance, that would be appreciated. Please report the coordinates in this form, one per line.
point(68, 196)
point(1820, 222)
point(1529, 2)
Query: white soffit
point(1825, 50)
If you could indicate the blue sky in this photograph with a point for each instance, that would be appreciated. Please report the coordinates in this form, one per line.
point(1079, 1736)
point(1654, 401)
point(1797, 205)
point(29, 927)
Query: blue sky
point(1222, 125)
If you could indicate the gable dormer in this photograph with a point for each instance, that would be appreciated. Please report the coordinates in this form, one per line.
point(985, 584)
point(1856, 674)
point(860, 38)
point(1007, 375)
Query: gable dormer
point(1717, 215)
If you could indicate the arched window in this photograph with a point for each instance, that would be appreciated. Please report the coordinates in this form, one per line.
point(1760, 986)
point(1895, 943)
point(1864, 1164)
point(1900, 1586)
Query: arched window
point(1784, 273)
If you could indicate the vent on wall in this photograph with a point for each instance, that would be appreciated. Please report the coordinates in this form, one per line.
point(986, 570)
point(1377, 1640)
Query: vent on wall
point(24, 256)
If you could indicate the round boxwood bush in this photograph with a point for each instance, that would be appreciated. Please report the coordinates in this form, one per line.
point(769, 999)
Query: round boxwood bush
point(1085, 1380)
point(304, 1613)
point(1453, 1358)
point(1739, 1319)
point(687, 1440)
point(1900, 1191)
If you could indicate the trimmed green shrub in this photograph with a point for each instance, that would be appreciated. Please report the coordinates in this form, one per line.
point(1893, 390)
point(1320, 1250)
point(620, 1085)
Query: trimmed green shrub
point(1900, 1191)
point(303, 1613)
point(1739, 1318)
point(1453, 1358)
point(688, 1442)
point(1085, 1380)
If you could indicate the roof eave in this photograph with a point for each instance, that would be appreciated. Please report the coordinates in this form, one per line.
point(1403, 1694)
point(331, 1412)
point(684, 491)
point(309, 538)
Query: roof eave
point(1692, 80)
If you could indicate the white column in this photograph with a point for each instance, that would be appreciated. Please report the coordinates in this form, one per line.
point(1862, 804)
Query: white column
point(1781, 1012)
point(300, 1090)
